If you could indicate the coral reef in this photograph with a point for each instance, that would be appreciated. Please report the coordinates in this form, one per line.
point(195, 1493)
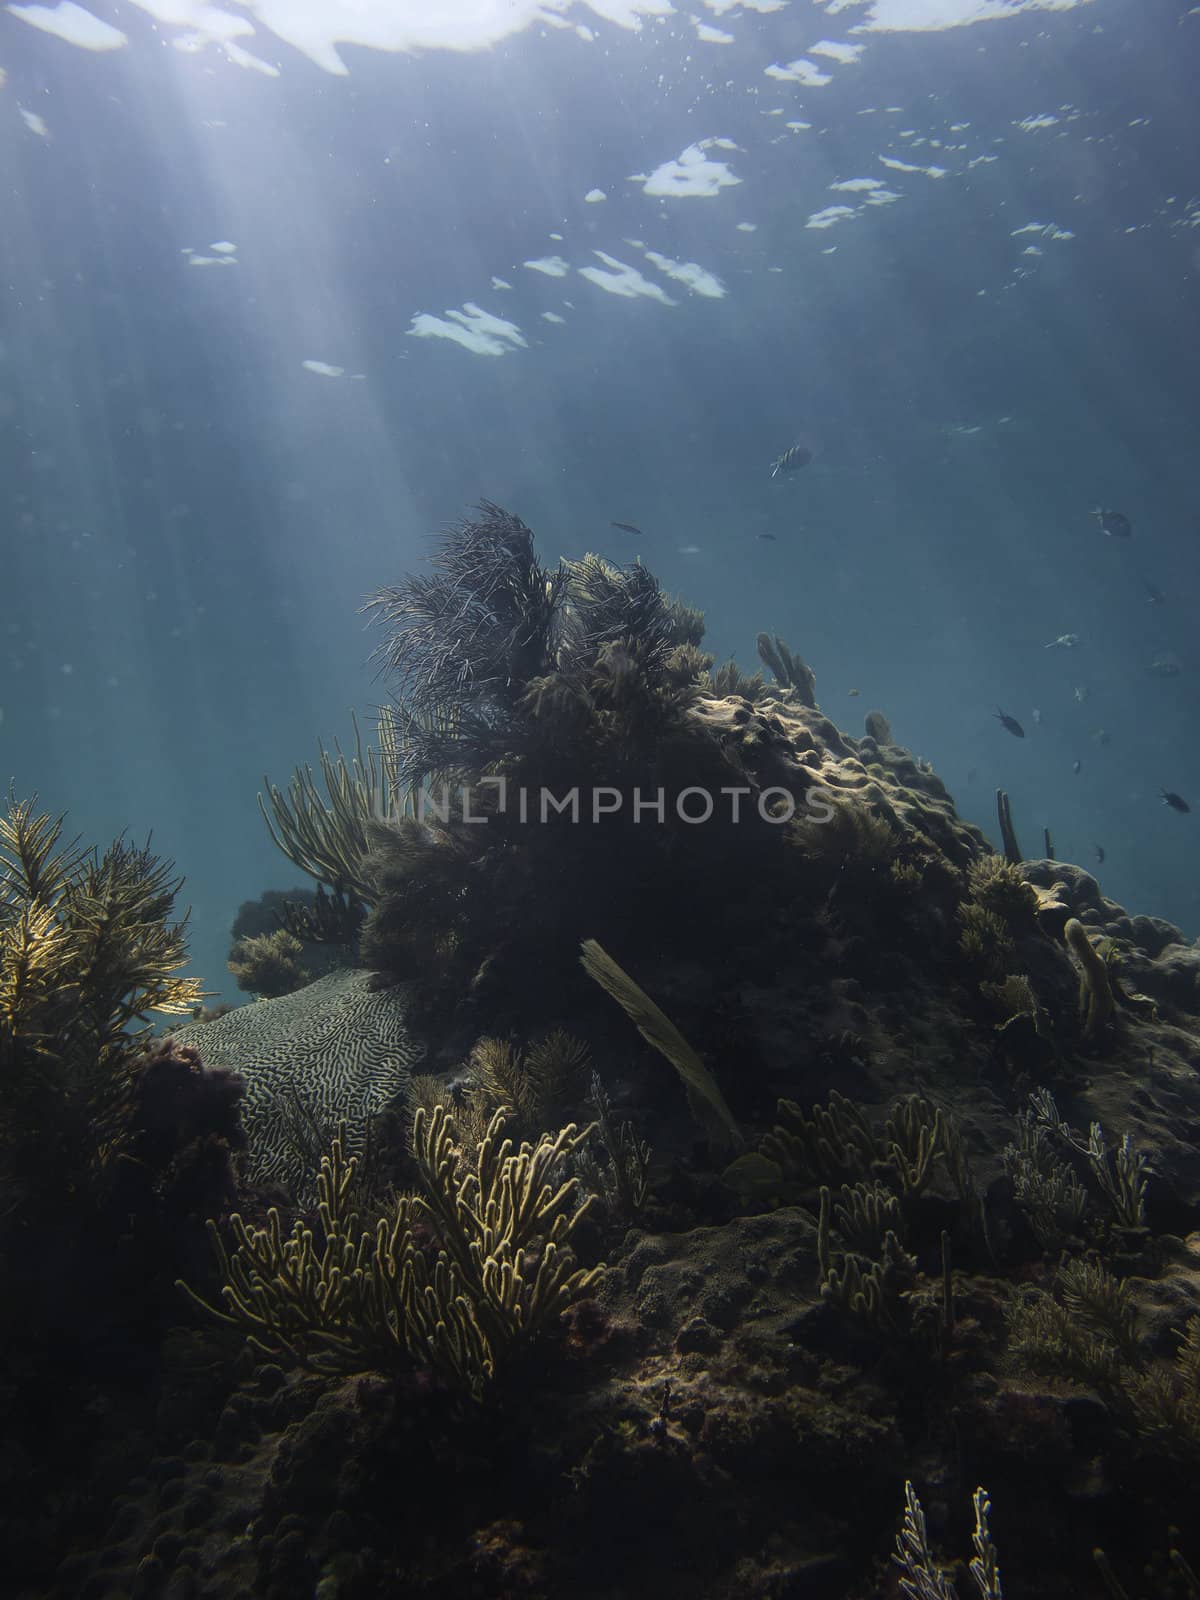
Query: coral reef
point(923, 1217)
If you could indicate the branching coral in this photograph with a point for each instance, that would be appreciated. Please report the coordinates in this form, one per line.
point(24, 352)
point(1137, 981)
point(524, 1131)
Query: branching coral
point(268, 964)
point(1121, 1175)
point(872, 1290)
point(88, 949)
point(1044, 1186)
point(344, 1298)
point(853, 840)
point(1168, 1403)
point(432, 895)
point(617, 1165)
point(535, 1082)
point(788, 669)
point(923, 1578)
point(998, 886)
point(915, 1137)
point(836, 1144)
point(473, 635)
point(729, 679)
point(325, 835)
point(984, 939)
point(865, 1214)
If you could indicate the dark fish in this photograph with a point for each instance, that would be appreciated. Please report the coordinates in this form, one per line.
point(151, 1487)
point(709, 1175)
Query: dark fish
point(769, 536)
point(792, 460)
point(1114, 523)
point(1099, 849)
point(1010, 723)
point(1175, 801)
point(626, 527)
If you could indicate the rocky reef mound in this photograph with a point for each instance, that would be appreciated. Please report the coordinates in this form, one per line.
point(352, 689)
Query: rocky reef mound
point(829, 1224)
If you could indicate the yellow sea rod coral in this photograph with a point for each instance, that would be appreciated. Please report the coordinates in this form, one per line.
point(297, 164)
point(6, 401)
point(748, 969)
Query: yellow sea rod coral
point(343, 1298)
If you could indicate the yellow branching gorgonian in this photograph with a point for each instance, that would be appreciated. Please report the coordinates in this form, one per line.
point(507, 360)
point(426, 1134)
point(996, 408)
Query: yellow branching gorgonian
point(342, 1297)
point(89, 947)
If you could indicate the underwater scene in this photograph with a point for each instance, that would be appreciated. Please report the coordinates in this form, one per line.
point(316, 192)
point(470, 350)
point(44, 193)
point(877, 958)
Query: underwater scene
point(599, 874)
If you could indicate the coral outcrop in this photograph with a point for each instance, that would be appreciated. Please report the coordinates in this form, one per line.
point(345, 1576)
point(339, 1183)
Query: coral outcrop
point(912, 1209)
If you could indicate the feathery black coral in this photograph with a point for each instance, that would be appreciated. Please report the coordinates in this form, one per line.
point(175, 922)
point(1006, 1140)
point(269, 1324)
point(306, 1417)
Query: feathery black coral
point(477, 630)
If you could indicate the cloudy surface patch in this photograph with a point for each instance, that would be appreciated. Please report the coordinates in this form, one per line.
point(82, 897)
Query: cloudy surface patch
point(908, 166)
point(318, 28)
point(764, 7)
point(1035, 124)
point(594, 196)
point(928, 16)
point(322, 369)
point(830, 216)
point(552, 266)
point(619, 278)
point(802, 71)
point(834, 51)
point(694, 173)
point(221, 254)
point(72, 23)
point(474, 328)
point(697, 278)
point(1048, 230)
point(707, 34)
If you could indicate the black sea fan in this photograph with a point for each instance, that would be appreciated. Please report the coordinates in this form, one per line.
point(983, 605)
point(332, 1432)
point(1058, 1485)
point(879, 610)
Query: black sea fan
point(474, 633)
point(613, 606)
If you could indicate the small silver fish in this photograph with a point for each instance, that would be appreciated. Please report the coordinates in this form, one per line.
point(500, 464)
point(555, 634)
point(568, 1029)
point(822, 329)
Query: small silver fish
point(799, 455)
point(1081, 693)
point(1037, 717)
point(1065, 641)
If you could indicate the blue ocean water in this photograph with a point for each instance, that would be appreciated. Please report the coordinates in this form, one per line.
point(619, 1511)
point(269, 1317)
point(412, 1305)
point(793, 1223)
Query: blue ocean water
point(274, 309)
